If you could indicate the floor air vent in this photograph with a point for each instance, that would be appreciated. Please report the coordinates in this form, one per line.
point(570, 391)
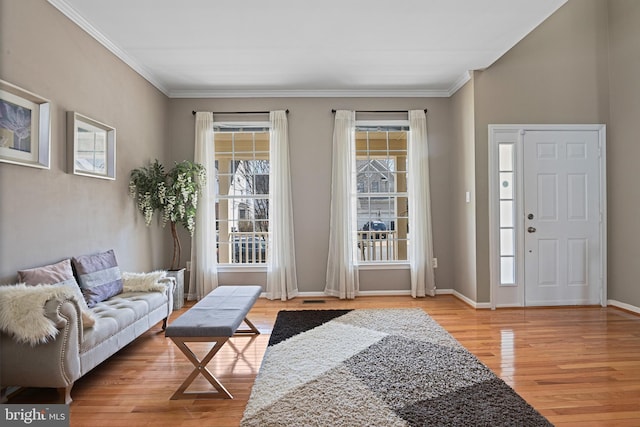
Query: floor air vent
point(313, 301)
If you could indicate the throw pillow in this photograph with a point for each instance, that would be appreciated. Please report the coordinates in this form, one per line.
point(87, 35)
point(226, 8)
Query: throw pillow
point(99, 276)
point(143, 282)
point(48, 274)
point(59, 273)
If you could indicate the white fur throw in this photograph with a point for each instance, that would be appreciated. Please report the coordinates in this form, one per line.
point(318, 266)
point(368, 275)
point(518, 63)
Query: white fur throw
point(143, 282)
point(22, 310)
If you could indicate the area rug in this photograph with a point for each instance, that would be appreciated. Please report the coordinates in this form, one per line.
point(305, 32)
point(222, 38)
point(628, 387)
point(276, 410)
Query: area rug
point(383, 367)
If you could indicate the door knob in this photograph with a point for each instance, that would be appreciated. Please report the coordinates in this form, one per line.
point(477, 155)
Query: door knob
point(531, 229)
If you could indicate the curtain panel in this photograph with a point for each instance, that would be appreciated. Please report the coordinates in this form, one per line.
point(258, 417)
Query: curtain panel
point(418, 188)
point(204, 261)
point(342, 270)
point(281, 261)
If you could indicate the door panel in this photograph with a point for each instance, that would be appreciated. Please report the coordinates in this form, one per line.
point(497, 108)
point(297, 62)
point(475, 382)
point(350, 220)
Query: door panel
point(547, 197)
point(578, 197)
point(562, 217)
point(548, 263)
point(578, 262)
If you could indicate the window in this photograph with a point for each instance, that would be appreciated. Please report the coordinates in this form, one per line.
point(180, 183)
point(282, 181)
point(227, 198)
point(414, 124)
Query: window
point(507, 215)
point(242, 192)
point(382, 202)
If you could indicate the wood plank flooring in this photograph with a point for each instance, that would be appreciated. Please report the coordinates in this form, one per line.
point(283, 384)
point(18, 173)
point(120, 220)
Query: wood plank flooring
point(577, 366)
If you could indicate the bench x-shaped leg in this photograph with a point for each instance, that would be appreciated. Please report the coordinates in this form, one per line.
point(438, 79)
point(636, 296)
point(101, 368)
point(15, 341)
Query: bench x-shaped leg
point(251, 331)
point(200, 368)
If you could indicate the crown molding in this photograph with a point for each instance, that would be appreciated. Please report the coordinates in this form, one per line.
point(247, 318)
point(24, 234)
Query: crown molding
point(302, 93)
point(67, 10)
point(462, 80)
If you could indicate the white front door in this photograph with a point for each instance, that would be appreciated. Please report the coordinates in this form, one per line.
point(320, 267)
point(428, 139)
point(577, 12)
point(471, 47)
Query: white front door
point(562, 217)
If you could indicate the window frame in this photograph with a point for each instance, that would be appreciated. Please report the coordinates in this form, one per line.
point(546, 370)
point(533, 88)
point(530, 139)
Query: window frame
point(390, 125)
point(239, 127)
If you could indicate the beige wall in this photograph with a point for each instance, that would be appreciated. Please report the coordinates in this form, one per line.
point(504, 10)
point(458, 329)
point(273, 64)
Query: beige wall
point(623, 151)
point(557, 74)
point(310, 133)
point(48, 215)
point(463, 178)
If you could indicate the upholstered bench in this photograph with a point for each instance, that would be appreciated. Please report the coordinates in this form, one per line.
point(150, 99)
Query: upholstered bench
point(215, 318)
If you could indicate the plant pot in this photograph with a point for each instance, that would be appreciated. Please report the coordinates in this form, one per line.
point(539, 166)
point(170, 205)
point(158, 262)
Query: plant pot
point(178, 292)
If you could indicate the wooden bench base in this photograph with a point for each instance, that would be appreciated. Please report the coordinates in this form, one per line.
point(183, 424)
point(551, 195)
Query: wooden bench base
point(200, 366)
point(215, 318)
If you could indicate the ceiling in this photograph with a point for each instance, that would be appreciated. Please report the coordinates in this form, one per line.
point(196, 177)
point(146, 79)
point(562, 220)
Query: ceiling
point(251, 48)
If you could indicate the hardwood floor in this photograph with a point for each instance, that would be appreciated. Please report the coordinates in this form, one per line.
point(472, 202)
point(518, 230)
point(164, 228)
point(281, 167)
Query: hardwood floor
point(577, 366)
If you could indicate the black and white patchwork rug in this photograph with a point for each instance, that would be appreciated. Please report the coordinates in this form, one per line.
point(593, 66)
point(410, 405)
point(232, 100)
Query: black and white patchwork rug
point(382, 367)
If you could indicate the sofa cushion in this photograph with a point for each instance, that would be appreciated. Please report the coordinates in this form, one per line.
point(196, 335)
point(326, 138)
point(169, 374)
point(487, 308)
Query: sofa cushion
point(119, 312)
point(99, 276)
point(59, 273)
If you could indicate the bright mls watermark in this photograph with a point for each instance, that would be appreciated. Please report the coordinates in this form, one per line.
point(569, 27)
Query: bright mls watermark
point(35, 415)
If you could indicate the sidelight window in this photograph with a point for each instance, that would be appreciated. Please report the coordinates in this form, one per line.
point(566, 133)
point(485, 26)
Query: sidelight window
point(507, 214)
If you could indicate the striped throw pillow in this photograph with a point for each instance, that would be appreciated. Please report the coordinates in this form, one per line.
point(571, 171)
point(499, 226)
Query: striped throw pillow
point(99, 276)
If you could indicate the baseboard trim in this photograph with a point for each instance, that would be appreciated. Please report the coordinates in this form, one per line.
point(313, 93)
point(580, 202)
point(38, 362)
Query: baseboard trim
point(466, 300)
point(384, 293)
point(360, 293)
point(624, 306)
point(470, 302)
point(312, 294)
point(373, 293)
point(461, 297)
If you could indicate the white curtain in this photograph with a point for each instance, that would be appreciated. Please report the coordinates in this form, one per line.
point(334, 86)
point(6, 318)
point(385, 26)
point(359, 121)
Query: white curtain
point(421, 247)
point(204, 261)
point(342, 268)
point(281, 263)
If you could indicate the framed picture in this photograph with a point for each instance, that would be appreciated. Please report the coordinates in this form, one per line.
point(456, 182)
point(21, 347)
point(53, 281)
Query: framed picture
point(25, 130)
point(91, 147)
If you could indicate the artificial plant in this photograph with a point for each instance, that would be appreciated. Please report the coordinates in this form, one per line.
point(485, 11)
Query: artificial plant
point(174, 194)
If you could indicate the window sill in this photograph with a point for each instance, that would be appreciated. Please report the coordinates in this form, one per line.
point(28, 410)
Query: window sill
point(384, 266)
point(241, 268)
point(248, 268)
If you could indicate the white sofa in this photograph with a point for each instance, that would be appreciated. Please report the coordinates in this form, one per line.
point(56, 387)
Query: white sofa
point(75, 347)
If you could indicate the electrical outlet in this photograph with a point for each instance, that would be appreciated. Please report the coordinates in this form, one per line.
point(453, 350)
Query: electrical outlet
point(188, 265)
point(434, 262)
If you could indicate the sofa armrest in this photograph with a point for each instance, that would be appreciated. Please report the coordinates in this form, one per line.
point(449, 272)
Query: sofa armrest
point(55, 363)
point(52, 310)
point(170, 283)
